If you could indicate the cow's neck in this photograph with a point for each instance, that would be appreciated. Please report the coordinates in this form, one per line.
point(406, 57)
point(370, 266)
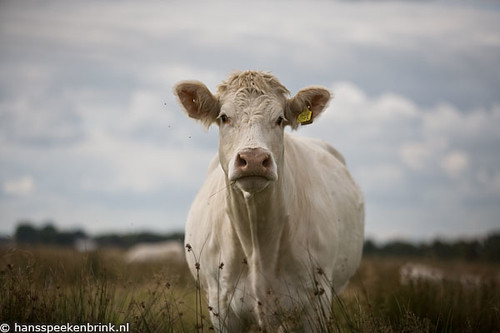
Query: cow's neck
point(258, 221)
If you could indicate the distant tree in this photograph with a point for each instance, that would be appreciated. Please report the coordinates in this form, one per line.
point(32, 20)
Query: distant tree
point(110, 240)
point(176, 236)
point(491, 247)
point(400, 248)
point(441, 249)
point(370, 247)
point(48, 234)
point(26, 233)
point(129, 240)
point(469, 250)
point(69, 238)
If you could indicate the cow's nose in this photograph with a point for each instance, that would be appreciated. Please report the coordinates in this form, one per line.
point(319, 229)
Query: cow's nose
point(254, 162)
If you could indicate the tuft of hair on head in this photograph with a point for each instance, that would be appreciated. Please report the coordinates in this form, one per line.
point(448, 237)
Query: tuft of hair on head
point(263, 82)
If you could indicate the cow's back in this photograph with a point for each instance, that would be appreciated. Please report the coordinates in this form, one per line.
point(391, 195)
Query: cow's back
point(327, 210)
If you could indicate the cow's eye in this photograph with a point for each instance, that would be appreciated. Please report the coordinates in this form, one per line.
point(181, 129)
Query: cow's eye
point(224, 119)
point(279, 121)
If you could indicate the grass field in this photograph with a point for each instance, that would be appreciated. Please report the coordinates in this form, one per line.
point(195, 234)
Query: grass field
point(53, 285)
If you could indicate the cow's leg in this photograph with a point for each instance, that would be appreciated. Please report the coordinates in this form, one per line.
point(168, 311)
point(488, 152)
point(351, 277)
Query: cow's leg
point(221, 314)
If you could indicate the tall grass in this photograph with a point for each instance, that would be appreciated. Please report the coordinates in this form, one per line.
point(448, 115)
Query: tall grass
point(449, 305)
point(51, 285)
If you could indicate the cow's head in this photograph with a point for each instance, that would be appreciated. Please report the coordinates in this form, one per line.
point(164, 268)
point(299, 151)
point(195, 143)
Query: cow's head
point(251, 110)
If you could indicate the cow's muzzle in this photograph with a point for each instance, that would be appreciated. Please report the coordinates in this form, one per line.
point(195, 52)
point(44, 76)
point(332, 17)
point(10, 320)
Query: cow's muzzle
point(253, 169)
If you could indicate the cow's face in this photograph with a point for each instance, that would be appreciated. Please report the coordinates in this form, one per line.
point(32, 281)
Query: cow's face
point(251, 125)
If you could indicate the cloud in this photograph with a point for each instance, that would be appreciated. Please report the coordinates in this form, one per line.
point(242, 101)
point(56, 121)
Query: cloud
point(23, 186)
point(34, 120)
point(415, 155)
point(327, 40)
point(455, 163)
point(139, 167)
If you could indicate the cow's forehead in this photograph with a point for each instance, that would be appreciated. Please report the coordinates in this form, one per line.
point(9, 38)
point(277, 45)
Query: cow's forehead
point(253, 82)
point(249, 97)
point(244, 102)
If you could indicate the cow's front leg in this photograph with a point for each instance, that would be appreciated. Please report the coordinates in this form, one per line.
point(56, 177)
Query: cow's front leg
point(221, 314)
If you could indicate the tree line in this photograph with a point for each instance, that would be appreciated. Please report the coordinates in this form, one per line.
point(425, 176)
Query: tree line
point(27, 234)
point(485, 249)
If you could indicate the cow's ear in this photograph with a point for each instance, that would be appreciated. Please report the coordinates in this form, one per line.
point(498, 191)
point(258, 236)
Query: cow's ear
point(306, 105)
point(197, 101)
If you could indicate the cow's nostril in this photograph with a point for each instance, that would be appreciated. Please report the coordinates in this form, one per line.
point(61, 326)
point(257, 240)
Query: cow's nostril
point(266, 162)
point(240, 161)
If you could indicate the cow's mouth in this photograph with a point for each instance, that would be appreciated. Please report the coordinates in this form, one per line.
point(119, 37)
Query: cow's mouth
point(252, 184)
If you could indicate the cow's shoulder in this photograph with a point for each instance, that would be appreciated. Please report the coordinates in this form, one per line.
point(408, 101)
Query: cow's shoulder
point(329, 149)
point(207, 211)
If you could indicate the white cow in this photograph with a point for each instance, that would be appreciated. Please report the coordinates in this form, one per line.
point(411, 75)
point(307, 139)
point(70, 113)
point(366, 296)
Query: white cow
point(168, 251)
point(278, 225)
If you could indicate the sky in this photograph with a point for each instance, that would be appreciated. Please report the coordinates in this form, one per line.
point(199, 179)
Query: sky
point(91, 135)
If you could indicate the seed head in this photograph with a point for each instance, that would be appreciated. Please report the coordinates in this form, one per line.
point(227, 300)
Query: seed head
point(320, 291)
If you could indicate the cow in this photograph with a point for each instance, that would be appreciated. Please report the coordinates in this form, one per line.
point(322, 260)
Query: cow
point(169, 251)
point(278, 225)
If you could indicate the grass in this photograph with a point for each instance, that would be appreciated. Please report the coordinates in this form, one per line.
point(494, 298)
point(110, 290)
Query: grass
point(50, 285)
point(444, 306)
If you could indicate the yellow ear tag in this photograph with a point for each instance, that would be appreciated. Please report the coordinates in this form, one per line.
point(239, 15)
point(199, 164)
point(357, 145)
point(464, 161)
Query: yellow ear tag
point(305, 117)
